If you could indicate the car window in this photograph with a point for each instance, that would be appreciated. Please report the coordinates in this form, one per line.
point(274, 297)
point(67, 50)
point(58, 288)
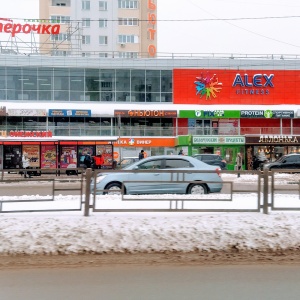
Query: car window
point(207, 157)
point(291, 159)
point(153, 164)
point(126, 161)
point(177, 163)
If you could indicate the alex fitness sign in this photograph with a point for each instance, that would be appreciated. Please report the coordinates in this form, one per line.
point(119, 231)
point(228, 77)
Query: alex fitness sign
point(251, 87)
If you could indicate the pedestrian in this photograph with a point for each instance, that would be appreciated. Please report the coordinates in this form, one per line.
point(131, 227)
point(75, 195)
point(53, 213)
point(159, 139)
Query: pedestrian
point(99, 160)
point(87, 160)
point(239, 163)
point(180, 152)
point(141, 155)
point(25, 164)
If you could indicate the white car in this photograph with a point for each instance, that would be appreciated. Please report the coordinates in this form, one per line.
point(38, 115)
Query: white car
point(161, 182)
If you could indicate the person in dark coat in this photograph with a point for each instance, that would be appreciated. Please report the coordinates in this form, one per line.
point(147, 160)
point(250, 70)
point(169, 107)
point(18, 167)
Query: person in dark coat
point(141, 155)
point(180, 152)
point(88, 160)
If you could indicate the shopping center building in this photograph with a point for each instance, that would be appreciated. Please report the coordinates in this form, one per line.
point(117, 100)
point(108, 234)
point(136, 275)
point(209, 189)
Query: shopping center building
point(211, 104)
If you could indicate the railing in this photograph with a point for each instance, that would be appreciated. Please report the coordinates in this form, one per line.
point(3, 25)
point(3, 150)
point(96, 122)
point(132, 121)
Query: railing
point(86, 130)
point(263, 195)
point(77, 54)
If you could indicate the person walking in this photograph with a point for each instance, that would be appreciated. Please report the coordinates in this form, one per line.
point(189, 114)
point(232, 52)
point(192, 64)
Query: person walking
point(25, 164)
point(88, 160)
point(180, 152)
point(141, 155)
point(239, 163)
point(99, 160)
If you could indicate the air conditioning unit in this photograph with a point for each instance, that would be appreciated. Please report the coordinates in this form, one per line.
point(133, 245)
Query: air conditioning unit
point(123, 45)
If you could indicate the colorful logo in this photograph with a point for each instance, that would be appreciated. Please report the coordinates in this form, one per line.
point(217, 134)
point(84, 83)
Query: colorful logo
point(268, 113)
point(131, 142)
point(208, 86)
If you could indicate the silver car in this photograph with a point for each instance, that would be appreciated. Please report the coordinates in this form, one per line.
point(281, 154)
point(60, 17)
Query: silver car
point(144, 182)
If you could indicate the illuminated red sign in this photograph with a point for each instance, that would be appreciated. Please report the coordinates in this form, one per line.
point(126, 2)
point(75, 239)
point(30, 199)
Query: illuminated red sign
point(14, 28)
point(152, 26)
point(21, 133)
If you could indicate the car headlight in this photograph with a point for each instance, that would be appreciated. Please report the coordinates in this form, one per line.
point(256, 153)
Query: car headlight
point(100, 178)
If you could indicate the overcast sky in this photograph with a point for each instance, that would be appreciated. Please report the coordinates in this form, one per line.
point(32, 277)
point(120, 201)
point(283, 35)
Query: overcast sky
point(201, 28)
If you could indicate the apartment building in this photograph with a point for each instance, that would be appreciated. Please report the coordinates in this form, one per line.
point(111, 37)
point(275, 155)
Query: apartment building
point(112, 29)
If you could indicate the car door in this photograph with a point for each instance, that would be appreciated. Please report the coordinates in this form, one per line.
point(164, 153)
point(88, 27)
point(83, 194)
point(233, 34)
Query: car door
point(175, 180)
point(145, 180)
point(290, 162)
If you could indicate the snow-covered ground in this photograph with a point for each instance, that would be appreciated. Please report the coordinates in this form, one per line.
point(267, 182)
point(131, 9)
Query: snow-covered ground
point(71, 232)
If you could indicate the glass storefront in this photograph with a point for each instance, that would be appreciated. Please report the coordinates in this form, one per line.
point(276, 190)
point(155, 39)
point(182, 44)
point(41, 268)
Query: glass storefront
point(80, 84)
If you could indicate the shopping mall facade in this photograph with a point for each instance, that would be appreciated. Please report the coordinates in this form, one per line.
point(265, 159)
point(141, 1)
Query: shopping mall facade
point(51, 106)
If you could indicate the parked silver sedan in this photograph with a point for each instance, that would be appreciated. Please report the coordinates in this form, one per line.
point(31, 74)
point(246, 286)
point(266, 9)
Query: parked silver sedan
point(178, 181)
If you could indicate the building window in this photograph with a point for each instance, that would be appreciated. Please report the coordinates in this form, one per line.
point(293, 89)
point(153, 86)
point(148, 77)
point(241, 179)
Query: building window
point(102, 23)
point(103, 40)
point(128, 4)
point(86, 39)
point(86, 5)
point(84, 54)
point(129, 21)
point(128, 54)
point(60, 37)
point(86, 22)
point(128, 39)
point(103, 54)
point(60, 19)
point(102, 5)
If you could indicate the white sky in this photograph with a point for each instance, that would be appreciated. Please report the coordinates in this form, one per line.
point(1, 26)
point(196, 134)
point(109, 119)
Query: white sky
point(260, 36)
point(71, 232)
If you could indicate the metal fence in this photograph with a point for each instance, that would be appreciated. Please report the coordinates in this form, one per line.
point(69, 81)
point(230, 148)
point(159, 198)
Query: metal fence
point(263, 190)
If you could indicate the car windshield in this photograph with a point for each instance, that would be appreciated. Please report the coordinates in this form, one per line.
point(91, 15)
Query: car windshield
point(280, 159)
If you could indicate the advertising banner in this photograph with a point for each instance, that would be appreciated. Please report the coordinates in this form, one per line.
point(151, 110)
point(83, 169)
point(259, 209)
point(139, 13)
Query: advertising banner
point(48, 157)
point(107, 153)
point(33, 154)
point(253, 87)
point(68, 158)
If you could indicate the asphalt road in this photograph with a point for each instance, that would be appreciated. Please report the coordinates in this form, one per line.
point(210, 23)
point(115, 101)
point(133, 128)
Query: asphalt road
point(166, 282)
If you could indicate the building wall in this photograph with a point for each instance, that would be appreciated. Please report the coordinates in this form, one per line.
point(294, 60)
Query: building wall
point(112, 30)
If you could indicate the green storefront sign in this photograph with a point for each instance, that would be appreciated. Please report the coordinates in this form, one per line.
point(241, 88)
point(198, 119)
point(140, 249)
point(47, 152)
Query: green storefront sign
point(209, 114)
point(226, 146)
point(236, 114)
point(218, 140)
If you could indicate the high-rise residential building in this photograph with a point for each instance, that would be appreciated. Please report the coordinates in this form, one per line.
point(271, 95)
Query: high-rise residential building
point(112, 28)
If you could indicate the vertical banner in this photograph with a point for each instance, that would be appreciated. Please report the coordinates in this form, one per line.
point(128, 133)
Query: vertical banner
point(48, 157)
point(83, 151)
point(68, 157)
point(12, 157)
point(33, 154)
point(107, 153)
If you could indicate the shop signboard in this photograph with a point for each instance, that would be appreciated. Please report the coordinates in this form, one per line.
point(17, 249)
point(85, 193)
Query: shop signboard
point(273, 139)
point(69, 113)
point(209, 114)
point(146, 113)
point(235, 87)
point(27, 112)
point(218, 140)
point(236, 114)
point(268, 114)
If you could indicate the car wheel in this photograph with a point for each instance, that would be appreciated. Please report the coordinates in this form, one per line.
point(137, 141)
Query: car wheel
point(113, 189)
point(197, 188)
